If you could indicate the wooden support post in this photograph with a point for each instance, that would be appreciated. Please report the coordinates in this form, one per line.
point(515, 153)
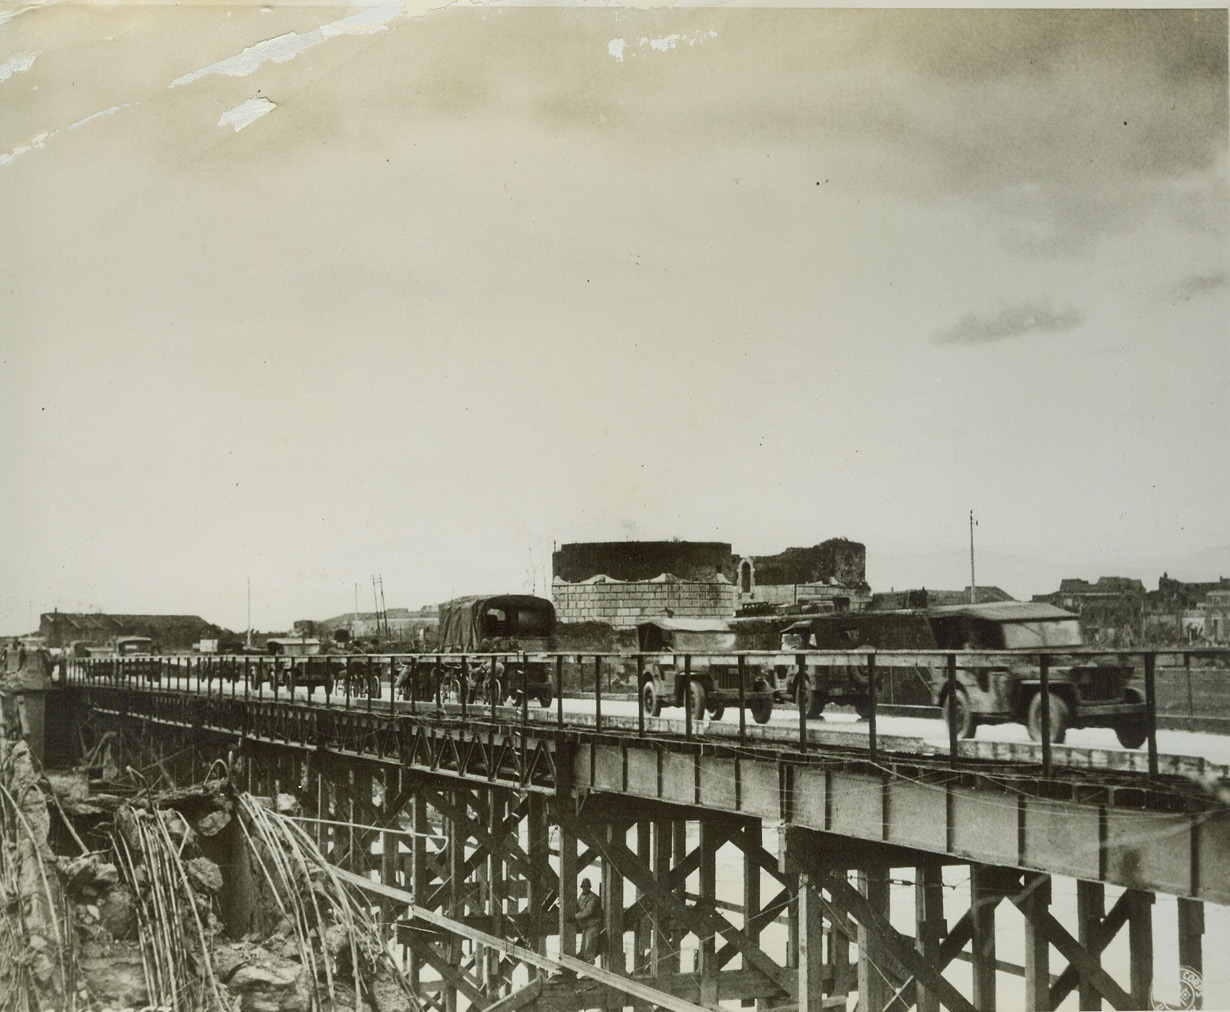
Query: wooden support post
point(1140, 946)
point(497, 887)
point(874, 991)
point(679, 845)
point(612, 896)
point(641, 928)
point(454, 898)
point(984, 897)
point(752, 841)
point(662, 957)
point(539, 851)
point(419, 876)
point(1191, 944)
point(1090, 907)
point(1037, 944)
point(708, 888)
point(811, 946)
point(567, 892)
point(930, 925)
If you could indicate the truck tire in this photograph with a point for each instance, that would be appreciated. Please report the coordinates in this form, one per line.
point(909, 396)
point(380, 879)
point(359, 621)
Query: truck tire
point(1132, 731)
point(651, 702)
point(698, 699)
point(716, 711)
point(809, 703)
point(1059, 718)
point(545, 697)
point(761, 707)
point(956, 707)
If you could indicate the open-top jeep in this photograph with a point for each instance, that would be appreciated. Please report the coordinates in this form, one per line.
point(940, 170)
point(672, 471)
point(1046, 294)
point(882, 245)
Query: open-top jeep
point(1084, 691)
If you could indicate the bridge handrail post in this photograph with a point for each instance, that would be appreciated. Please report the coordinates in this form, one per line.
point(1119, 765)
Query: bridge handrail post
point(414, 686)
point(559, 689)
point(439, 679)
point(802, 696)
point(369, 683)
point(493, 687)
point(640, 709)
point(277, 678)
point(951, 675)
point(247, 679)
point(465, 685)
point(1151, 707)
point(392, 686)
point(687, 695)
point(742, 699)
point(597, 692)
point(1044, 678)
point(525, 689)
point(872, 743)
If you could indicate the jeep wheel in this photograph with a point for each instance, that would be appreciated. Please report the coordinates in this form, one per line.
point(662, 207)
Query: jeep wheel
point(651, 703)
point(716, 711)
point(762, 705)
point(1132, 731)
point(698, 699)
point(956, 710)
point(544, 697)
point(1059, 718)
point(452, 691)
point(808, 702)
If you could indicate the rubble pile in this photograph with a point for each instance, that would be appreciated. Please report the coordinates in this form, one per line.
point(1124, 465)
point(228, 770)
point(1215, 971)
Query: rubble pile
point(189, 899)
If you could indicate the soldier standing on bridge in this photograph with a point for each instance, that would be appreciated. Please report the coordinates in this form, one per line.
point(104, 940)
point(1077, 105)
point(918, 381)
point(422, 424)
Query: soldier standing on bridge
point(589, 922)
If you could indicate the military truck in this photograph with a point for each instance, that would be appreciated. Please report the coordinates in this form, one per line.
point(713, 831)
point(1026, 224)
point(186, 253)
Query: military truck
point(715, 670)
point(514, 626)
point(1085, 691)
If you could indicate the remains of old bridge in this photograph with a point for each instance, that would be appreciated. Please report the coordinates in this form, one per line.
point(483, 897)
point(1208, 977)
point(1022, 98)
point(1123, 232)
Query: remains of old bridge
point(470, 826)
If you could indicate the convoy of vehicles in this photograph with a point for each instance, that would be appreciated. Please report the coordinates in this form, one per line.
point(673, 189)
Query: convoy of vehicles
point(709, 665)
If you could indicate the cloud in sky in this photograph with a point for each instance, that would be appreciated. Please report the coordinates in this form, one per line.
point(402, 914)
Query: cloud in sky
point(1198, 285)
point(1009, 322)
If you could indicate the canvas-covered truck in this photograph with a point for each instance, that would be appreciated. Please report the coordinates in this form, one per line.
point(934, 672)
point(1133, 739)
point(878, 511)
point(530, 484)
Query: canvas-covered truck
point(513, 626)
point(712, 677)
point(1084, 690)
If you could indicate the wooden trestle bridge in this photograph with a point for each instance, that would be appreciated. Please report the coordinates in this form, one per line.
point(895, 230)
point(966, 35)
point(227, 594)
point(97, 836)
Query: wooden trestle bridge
point(471, 827)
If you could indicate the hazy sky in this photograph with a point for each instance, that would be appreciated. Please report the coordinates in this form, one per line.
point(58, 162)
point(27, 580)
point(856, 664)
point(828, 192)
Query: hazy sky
point(421, 295)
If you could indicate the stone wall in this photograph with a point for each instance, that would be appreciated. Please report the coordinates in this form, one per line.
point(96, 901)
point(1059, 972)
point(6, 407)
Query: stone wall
point(625, 604)
point(642, 560)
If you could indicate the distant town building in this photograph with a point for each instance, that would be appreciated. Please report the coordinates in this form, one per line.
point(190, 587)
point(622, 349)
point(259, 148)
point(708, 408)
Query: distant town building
point(893, 600)
point(402, 624)
point(1111, 610)
point(1216, 609)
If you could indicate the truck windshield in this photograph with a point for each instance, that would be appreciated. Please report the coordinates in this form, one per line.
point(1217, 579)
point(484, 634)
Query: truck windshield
point(1032, 635)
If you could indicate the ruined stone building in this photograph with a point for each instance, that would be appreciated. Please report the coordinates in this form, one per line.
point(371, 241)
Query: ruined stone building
point(832, 573)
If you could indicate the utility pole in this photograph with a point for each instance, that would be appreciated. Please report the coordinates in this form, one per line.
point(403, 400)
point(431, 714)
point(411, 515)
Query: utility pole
point(973, 584)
